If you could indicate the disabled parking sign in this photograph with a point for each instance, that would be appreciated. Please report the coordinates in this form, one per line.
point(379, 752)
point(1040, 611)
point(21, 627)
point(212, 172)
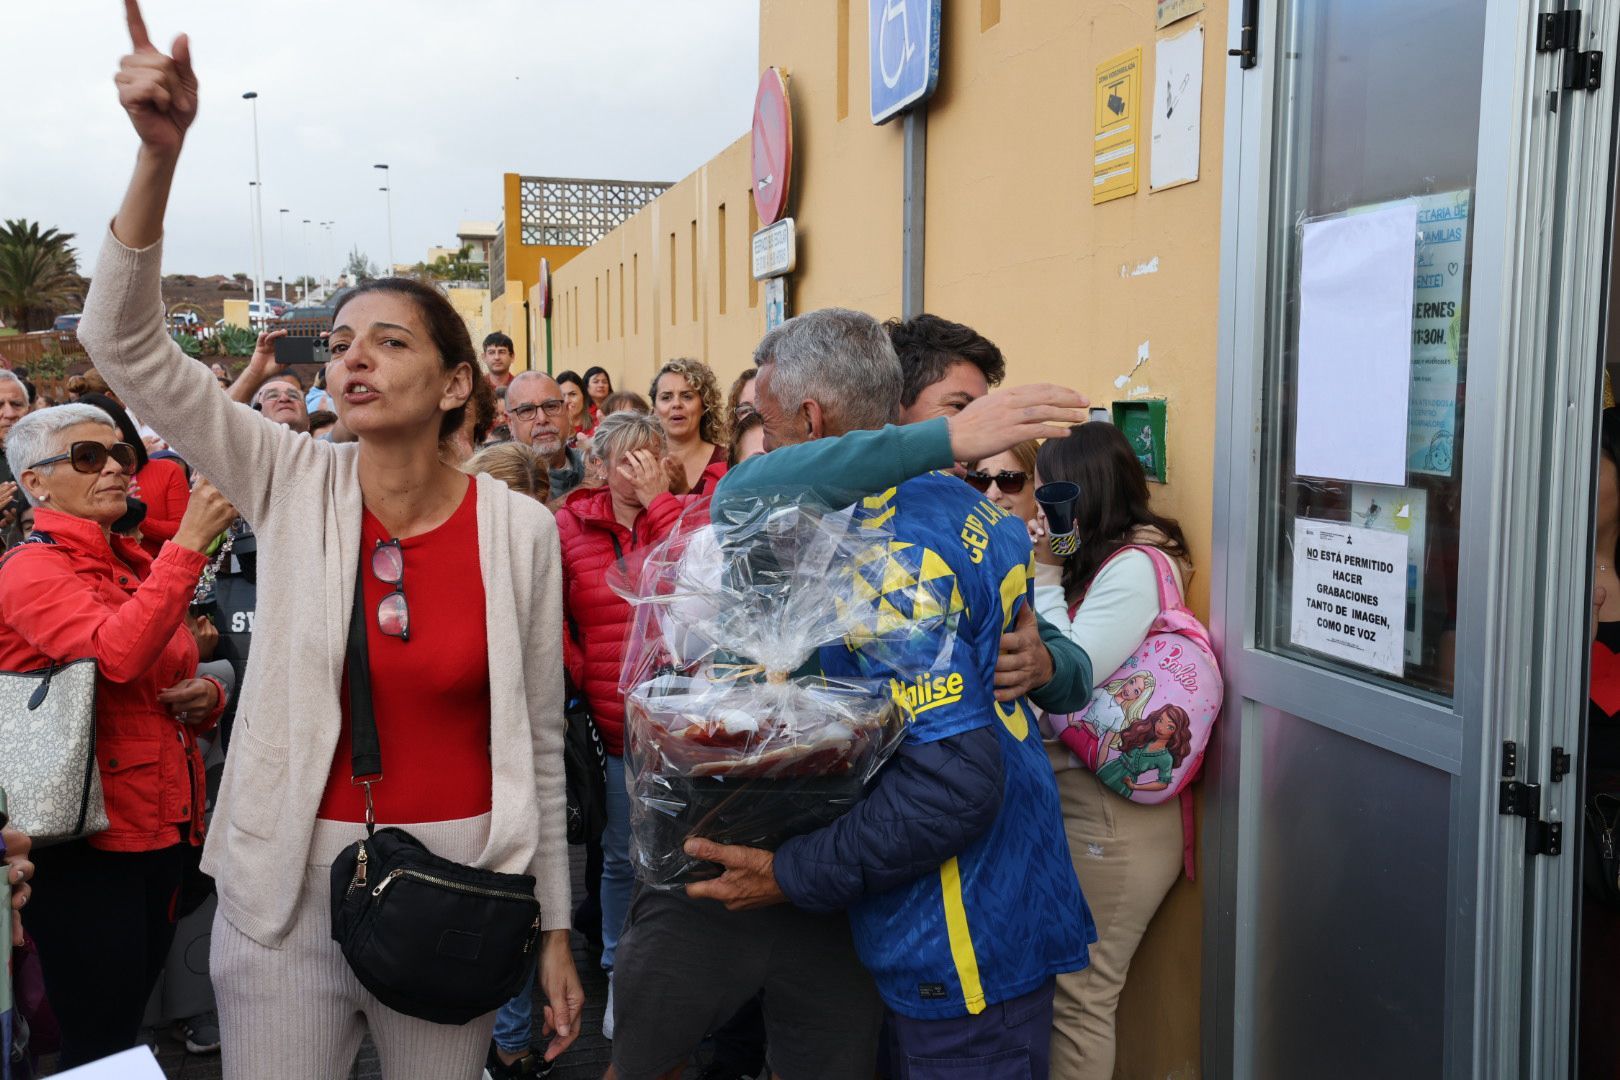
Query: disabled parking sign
point(904, 46)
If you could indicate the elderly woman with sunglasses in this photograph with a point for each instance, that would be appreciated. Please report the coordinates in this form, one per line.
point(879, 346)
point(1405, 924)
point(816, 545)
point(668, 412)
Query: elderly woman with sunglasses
point(101, 905)
point(458, 583)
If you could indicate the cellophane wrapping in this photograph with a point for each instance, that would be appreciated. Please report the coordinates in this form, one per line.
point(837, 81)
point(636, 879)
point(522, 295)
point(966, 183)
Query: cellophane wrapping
point(731, 733)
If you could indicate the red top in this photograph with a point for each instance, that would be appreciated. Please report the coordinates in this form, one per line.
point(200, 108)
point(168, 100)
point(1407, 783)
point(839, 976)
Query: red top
point(86, 595)
point(430, 694)
point(711, 473)
point(162, 487)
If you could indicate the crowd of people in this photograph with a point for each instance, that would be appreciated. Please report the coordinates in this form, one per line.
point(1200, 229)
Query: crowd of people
point(204, 539)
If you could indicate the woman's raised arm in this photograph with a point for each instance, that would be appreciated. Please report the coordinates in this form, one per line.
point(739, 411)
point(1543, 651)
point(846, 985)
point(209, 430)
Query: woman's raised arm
point(123, 330)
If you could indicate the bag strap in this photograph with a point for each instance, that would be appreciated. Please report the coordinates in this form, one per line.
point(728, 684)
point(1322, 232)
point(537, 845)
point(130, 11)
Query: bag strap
point(618, 552)
point(1170, 597)
point(365, 752)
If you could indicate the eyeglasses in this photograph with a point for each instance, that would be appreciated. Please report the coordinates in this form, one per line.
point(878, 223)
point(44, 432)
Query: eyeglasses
point(388, 567)
point(526, 411)
point(91, 457)
point(280, 395)
point(1010, 481)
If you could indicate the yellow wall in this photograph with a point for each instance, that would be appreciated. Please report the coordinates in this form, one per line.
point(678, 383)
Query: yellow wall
point(1015, 248)
point(473, 307)
point(613, 301)
point(507, 314)
point(523, 260)
point(236, 313)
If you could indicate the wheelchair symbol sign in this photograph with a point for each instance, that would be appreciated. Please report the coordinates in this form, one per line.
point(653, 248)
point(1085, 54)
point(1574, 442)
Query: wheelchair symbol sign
point(904, 46)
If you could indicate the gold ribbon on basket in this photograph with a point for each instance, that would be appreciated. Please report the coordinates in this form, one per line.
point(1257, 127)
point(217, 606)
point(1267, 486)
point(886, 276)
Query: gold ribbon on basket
point(734, 672)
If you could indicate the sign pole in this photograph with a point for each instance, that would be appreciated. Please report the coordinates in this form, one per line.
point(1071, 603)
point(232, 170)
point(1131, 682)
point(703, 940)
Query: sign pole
point(548, 344)
point(915, 217)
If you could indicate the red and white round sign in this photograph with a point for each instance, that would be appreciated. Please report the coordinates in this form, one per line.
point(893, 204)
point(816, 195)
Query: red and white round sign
point(773, 146)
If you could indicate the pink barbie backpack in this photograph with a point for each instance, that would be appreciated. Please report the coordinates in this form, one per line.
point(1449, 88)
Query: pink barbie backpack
point(1148, 723)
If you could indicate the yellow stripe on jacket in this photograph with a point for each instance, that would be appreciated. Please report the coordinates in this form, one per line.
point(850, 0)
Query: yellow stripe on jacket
point(956, 925)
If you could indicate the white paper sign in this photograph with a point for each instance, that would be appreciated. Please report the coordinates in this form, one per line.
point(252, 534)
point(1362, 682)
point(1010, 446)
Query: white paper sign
point(136, 1064)
point(1405, 511)
point(1178, 100)
point(1350, 594)
point(1355, 346)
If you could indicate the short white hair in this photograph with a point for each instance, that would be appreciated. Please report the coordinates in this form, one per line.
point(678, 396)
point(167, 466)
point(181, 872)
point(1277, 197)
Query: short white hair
point(38, 436)
point(7, 375)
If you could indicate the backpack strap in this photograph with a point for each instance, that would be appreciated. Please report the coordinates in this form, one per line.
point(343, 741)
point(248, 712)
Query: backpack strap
point(35, 537)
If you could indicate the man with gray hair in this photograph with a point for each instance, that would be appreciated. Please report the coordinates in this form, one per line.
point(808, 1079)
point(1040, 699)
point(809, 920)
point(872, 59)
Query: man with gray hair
point(954, 870)
point(539, 420)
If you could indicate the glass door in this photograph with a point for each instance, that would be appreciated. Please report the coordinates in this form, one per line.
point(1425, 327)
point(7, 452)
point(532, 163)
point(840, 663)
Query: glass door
point(1394, 433)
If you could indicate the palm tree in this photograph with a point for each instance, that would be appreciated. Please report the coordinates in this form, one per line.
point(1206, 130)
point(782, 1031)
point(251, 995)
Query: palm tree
point(39, 275)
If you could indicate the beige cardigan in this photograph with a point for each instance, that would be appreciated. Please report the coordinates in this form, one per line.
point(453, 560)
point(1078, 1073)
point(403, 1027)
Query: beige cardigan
point(302, 498)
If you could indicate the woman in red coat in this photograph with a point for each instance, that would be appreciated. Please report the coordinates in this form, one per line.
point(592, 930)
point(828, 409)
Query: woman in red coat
point(159, 483)
point(101, 907)
point(598, 528)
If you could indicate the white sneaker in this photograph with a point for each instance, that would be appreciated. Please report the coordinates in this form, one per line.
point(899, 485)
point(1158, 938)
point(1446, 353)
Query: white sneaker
point(607, 1017)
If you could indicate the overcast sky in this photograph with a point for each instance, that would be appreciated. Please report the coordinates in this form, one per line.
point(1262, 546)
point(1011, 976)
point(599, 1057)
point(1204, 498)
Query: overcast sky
point(450, 93)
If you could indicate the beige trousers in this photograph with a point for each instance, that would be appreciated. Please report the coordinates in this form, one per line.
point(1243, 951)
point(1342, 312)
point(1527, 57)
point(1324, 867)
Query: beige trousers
point(298, 1012)
point(1127, 856)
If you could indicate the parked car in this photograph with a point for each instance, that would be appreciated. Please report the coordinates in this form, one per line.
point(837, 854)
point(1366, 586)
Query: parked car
point(184, 318)
point(265, 310)
point(66, 322)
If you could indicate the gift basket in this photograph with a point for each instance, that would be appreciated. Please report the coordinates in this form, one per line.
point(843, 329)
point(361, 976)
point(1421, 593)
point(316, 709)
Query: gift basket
point(731, 731)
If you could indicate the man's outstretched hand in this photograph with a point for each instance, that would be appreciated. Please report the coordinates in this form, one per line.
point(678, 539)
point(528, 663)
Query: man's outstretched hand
point(1001, 420)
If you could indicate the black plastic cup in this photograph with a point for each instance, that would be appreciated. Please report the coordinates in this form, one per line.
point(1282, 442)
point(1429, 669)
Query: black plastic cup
point(1057, 500)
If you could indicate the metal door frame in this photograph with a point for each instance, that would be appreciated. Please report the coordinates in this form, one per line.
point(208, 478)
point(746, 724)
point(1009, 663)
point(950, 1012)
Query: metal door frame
point(1513, 664)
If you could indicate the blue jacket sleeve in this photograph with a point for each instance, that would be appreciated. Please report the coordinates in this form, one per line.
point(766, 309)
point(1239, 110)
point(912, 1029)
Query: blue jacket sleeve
point(1070, 688)
point(930, 802)
point(835, 472)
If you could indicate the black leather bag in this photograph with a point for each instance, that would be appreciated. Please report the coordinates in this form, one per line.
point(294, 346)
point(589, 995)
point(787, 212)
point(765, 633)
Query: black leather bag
point(585, 762)
point(1601, 869)
point(428, 937)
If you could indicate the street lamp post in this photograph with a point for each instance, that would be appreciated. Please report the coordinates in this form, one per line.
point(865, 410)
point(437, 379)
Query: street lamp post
point(326, 246)
point(388, 201)
point(283, 218)
point(252, 96)
point(307, 276)
point(253, 236)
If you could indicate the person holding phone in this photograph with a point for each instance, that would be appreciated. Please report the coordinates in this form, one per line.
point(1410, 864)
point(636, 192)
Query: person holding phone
point(458, 584)
point(103, 917)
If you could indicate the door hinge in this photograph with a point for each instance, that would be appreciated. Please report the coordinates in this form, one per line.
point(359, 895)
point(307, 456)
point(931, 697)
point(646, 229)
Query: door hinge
point(1560, 31)
point(1524, 800)
point(1560, 764)
point(1510, 759)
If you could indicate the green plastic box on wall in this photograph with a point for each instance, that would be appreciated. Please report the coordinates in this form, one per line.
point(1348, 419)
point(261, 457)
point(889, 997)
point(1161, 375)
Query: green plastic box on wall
point(1142, 423)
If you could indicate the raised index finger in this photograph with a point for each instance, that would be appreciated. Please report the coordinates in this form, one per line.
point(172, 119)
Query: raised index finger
point(137, 27)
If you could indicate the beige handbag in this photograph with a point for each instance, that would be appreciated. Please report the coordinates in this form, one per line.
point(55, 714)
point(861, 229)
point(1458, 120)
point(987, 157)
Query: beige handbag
point(48, 752)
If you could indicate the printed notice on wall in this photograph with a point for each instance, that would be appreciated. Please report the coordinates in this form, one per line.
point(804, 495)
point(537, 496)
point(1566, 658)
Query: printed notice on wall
point(1404, 511)
point(1350, 594)
point(1117, 127)
point(1178, 97)
point(1437, 331)
point(1168, 11)
point(1355, 345)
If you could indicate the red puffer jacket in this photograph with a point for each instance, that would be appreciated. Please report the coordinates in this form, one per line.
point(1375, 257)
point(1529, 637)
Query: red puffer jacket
point(80, 597)
point(597, 616)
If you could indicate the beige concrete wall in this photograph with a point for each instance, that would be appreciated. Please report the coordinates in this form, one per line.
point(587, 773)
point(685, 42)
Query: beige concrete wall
point(473, 307)
point(636, 298)
point(1071, 292)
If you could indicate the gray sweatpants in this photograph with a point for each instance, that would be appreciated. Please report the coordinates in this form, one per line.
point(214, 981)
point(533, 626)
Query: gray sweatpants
point(299, 1013)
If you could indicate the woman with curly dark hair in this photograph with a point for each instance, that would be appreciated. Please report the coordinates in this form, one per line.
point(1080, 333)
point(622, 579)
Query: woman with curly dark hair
point(1156, 744)
point(686, 398)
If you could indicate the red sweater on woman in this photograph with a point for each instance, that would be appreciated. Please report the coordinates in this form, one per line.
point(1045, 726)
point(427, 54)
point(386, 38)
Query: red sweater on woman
point(163, 488)
point(430, 695)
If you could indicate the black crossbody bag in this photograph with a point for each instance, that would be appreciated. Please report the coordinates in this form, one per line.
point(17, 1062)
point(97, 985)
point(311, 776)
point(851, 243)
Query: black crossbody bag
point(428, 937)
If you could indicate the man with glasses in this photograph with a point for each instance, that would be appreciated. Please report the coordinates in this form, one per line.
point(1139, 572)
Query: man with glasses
point(534, 409)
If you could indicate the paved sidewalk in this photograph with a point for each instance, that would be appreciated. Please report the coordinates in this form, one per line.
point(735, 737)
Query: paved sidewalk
point(587, 1059)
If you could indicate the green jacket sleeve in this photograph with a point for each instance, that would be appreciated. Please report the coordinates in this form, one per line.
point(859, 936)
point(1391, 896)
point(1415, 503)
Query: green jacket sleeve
point(835, 472)
point(1070, 688)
